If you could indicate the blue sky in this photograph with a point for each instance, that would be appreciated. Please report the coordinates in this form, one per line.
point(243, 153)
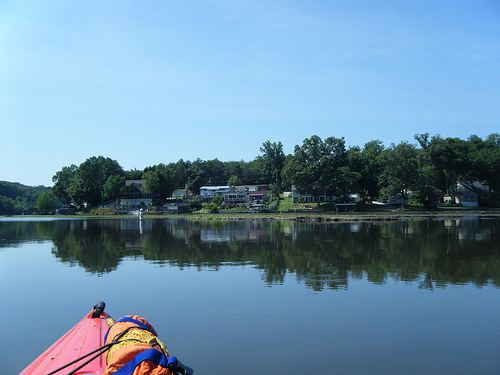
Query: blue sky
point(146, 82)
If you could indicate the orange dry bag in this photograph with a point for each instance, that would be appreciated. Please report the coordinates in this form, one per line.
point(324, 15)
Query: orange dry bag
point(137, 350)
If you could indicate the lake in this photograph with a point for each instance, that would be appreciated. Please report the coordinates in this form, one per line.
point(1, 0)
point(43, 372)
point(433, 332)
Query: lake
point(264, 297)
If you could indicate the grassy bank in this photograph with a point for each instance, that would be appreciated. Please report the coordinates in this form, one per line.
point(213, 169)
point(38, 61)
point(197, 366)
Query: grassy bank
point(303, 217)
point(346, 217)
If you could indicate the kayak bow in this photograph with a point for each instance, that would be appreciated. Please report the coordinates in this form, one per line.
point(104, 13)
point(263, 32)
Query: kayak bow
point(85, 337)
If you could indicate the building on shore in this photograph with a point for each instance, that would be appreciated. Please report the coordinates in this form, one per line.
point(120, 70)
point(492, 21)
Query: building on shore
point(298, 197)
point(209, 192)
point(466, 195)
point(135, 195)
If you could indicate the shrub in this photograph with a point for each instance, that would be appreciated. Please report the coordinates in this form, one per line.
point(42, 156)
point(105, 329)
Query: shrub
point(328, 207)
point(489, 200)
point(196, 204)
point(102, 211)
point(217, 200)
point(213, 208)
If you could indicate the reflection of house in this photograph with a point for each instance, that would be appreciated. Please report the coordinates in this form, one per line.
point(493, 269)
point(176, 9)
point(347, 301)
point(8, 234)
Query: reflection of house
point(210, 235)
point(135, 195)
point(243, 232)
point(306, 198)
point(466, 195)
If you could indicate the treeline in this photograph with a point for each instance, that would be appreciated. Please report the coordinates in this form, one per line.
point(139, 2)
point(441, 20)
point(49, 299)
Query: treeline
point(99, 179)
point(428, 168)
point(16, 198)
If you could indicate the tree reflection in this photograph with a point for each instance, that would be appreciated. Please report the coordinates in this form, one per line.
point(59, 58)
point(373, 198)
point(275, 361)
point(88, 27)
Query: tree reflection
point(322, 256)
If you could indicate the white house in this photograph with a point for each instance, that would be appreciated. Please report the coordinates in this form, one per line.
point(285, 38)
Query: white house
point(253, 188)
point(208, 192)
point(466, 195)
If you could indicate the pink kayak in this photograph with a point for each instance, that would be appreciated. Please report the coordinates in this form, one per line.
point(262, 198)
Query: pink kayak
point(87, 336)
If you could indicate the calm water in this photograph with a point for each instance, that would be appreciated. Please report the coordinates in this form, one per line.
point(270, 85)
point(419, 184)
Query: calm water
point(255, 297)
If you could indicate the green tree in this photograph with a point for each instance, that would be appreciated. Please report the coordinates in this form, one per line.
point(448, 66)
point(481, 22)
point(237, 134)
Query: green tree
point(451, 157)
point(7, 206)
point(427, 192)
point(320, 167)
point(16, 198)
point(218, 200)
point(486, 161)
point(63, 180)
point(178, 170)
point(370, 159)
point(273, 160)
point(399, 169)
point(133, 174)
point(46, 202)
point(213, 208)
point(234, 181)
point(88, 184)
point(195, 175)
point(196, 203)
point(159, 182)
point(114, 187)
point(253, 172)
point(428, 183)
point(366, 162)
point(77, 191)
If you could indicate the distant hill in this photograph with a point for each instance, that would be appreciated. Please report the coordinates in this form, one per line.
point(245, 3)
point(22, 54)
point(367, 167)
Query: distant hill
point(16, 198)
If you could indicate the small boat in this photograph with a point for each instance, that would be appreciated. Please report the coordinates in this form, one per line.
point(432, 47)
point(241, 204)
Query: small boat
point(81, 350)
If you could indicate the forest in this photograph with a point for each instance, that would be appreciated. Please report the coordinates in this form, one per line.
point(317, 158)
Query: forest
point(423, 170)
point(16, 198)
point(429, 167)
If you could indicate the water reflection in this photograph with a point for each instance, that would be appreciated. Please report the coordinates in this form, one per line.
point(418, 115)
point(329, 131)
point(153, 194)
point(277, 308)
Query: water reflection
point(433, 253)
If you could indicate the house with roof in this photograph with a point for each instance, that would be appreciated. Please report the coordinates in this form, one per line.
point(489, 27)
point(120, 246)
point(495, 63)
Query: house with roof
point(256, 193)
point(182, 194)
point(230, 194)
point(209, 192)
point(298, 197)
point(466, 195)
point(253, 188)
point(135, 195)
point(236, 196)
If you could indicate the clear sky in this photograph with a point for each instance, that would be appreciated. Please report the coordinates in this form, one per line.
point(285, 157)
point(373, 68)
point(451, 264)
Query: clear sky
point(145, 82)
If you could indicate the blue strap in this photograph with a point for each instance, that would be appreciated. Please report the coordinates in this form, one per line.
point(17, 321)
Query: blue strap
point(151, 355)
point(129, 320)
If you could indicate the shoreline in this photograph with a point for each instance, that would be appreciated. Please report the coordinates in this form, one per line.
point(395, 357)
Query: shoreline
point(326, 217)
